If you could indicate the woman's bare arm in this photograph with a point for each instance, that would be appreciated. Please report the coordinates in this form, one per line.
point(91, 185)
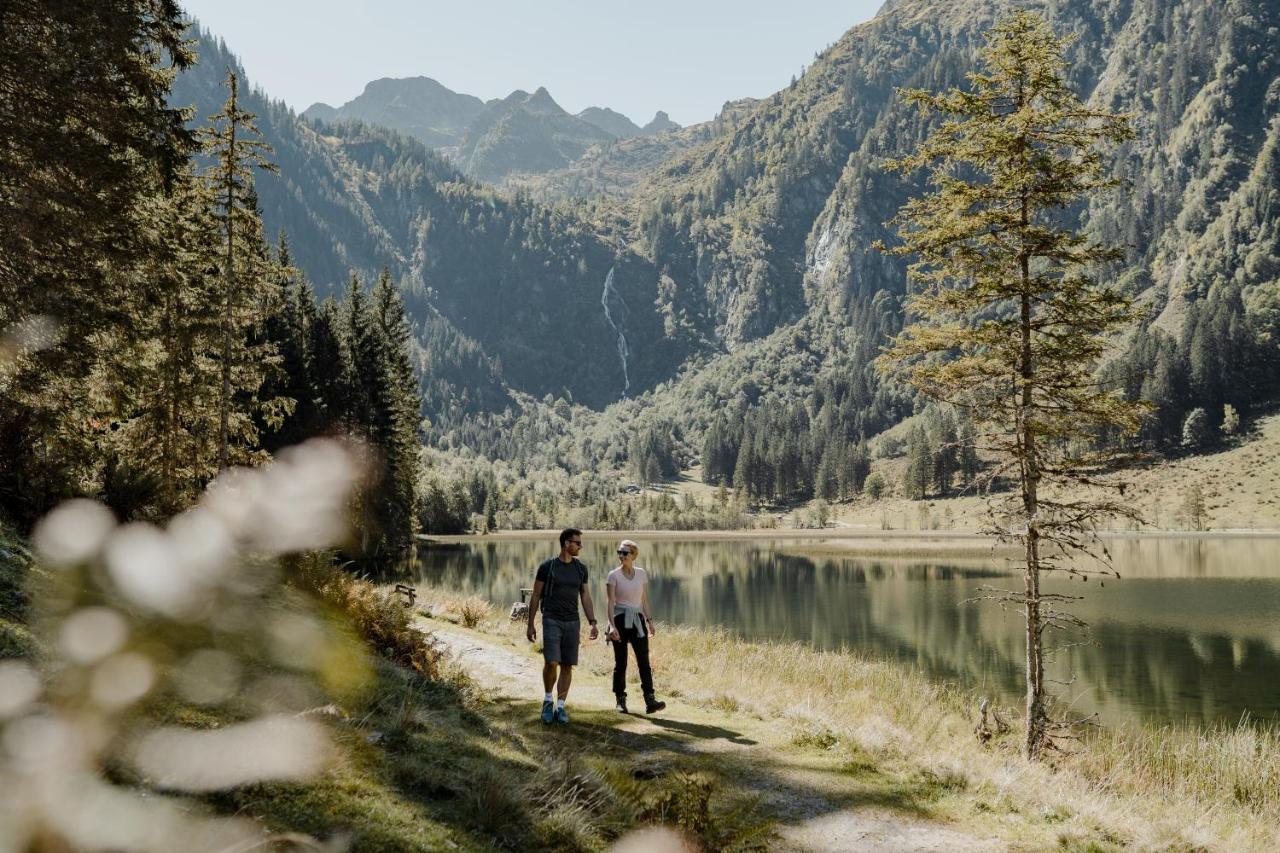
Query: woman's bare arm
point(608, 611)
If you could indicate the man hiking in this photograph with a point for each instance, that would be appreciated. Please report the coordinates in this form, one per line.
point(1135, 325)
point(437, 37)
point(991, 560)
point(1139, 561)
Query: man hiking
point(560, 582)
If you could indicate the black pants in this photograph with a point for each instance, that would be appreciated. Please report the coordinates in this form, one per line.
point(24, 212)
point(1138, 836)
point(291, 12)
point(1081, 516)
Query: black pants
point(641, 645)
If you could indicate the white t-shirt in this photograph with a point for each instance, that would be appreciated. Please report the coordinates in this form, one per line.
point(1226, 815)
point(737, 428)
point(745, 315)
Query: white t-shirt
point(626, 590)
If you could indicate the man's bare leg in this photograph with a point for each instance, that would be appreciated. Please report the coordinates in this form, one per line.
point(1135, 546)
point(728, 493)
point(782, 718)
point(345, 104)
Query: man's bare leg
point(566, 678)
point(549, 675)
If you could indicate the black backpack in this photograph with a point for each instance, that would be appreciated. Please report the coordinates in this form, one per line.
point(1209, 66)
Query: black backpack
point(551, 577)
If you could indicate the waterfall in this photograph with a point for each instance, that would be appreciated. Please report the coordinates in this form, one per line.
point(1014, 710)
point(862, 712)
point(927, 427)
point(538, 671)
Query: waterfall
point(605, 297)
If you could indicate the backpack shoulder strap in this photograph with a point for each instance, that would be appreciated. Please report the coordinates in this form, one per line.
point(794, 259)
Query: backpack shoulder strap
point(550, 581)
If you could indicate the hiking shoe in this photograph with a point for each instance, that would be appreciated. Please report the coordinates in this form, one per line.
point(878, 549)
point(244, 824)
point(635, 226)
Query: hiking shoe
point(562, 715)
point(548, 711)
point(622, 705)
point(653, 706)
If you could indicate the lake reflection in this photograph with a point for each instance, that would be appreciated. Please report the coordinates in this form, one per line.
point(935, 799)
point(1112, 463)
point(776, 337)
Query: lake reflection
point(1192, 632)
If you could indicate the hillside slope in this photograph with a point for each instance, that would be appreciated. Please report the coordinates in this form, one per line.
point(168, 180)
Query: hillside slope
point(525, 284)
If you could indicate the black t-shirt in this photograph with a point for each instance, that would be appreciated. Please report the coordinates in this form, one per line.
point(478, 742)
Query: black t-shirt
point(561, 584)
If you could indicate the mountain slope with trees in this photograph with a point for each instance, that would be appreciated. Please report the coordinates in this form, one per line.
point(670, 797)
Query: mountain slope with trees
point(519, 285)
point(773, 225)
point(759, 234)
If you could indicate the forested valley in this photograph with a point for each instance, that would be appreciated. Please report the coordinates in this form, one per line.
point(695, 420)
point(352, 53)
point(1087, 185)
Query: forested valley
point(755, 301)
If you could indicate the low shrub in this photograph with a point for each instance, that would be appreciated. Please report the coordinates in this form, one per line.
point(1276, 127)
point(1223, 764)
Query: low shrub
point(374, 614)
point(472, 611)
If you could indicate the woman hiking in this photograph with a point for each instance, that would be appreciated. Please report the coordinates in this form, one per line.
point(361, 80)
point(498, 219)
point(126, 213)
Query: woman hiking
point(629, 624)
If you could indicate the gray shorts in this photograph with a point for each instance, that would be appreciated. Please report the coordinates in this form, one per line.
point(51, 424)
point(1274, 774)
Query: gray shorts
point(560, 641)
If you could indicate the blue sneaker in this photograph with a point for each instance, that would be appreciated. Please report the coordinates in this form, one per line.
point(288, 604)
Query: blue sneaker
point(548, 711)
point(562, 715)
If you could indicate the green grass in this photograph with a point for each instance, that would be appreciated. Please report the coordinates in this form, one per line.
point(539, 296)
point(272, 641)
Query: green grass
point(398, 784)
point(906, 745)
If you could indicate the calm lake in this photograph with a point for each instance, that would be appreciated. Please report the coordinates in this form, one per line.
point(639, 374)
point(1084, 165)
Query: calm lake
point(1191, 632)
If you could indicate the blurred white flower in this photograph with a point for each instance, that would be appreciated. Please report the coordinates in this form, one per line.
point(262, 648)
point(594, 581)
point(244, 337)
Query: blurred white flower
point(269, 748)
point(305, 499)
point(203, 543)
point(19, 687)
point(148, 569)
point(121, 680)
point(73, 532)
point(91, 815)
point(92, 633)
point(45, 743)
point(234, 497)
point(296, 503)
point(192, 572)
point(297, 641)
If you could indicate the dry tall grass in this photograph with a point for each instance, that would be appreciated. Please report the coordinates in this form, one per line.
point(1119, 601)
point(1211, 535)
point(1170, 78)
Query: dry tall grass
point(1152, 787)
point(375, 615)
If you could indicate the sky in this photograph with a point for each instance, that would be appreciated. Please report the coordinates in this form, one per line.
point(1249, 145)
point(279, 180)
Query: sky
point(686, 57)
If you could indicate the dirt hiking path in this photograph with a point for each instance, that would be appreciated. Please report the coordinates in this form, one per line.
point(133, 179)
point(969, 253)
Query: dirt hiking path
point(818, 805)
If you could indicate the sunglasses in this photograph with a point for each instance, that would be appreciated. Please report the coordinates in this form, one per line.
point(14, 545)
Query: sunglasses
point(577, 542)
point(622, 552)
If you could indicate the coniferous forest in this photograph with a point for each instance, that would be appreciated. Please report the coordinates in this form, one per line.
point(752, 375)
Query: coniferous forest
point(155, 334)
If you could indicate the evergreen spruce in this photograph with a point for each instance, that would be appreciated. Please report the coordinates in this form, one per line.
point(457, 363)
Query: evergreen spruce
point(176, 379)
point(1007, 294)
point(287, 329)
point(393, 431)
point(88, 150)
point(919, 471)
point(332, 370)
point(238, 150)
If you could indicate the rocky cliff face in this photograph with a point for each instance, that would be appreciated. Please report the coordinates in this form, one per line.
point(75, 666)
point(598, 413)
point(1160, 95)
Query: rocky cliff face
point(774, 221)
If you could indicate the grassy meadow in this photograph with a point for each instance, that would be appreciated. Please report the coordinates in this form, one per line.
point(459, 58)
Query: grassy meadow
point(911, 747)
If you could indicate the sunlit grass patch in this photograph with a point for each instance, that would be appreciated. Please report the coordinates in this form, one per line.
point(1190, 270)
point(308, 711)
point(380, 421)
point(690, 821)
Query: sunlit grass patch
point(469, 611)
point(907, 744)
point(1223, 765)
point(810, 734)
point(395, 786)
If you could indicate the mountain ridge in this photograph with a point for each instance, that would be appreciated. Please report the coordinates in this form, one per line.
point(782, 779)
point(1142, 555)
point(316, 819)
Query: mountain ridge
point(522, 132)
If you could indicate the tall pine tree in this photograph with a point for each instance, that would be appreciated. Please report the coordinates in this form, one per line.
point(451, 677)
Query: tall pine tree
point(1008, 320)
point(175, 372)
point(238, 151)
point(396, 415)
